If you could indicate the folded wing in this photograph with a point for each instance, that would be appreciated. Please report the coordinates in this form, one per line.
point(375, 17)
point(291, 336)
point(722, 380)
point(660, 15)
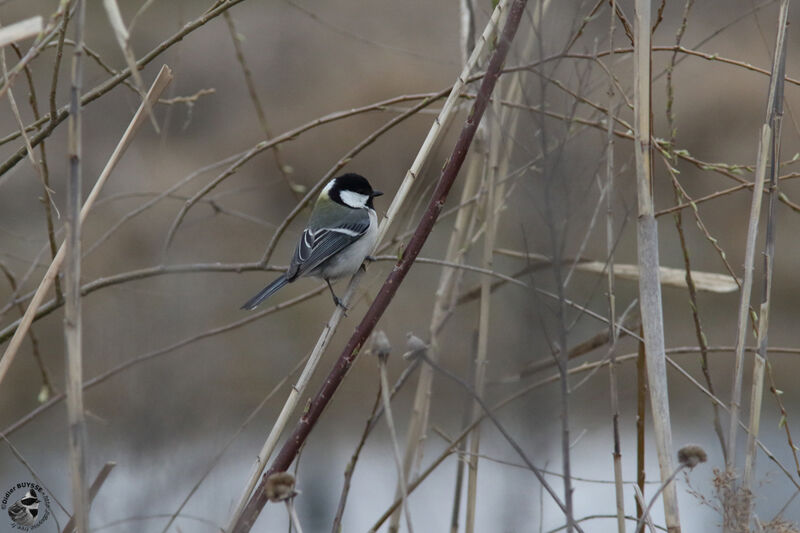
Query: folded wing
point(319, 244)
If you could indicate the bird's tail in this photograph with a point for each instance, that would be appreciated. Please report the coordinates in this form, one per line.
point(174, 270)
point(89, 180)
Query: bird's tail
point(266, 292)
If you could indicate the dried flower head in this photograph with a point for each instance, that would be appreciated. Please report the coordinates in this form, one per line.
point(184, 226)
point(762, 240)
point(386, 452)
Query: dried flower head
point(380, 344)
point(280, 487)
point(415, 346)
point(692, 455)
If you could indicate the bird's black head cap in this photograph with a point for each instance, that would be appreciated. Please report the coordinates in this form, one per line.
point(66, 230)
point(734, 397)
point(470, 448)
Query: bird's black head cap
point(355, 183)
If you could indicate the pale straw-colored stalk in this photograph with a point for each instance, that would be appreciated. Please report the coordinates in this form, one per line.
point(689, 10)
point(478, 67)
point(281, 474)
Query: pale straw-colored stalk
point(612, 308)
point(73, 317)
point(20, 30)
point(457, 246)
point(491, 214)
point(768, 156)
point(649, 284)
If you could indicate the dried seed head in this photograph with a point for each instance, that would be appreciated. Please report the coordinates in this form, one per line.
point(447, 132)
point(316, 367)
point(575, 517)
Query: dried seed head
point(380, 344)
point(692, 455)
point(280, 487)
point(415, 346)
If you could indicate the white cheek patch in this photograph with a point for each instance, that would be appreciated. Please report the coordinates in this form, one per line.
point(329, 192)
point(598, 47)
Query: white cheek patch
point(354, 199)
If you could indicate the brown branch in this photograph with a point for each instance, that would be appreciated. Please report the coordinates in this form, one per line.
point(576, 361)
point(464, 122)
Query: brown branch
point(290, 449)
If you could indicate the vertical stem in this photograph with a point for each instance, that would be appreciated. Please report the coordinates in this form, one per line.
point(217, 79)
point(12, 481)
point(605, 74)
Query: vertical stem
point(744, 300)
point(612, 311)
point(462, 447)
point(441, 308)
point(421, 406)
point(485, 314)
point(649, 282)
point(387, 409)
point(774, 117)
point(72, 275)
point(641, 411)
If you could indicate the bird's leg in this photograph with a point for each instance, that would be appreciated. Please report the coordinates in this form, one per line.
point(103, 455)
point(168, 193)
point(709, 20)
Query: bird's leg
point(336, 299)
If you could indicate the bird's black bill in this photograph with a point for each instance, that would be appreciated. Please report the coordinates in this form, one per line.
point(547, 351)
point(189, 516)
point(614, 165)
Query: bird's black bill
point(377, 193)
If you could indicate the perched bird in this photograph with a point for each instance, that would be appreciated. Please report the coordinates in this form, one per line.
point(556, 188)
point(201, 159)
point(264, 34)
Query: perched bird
point(339, 236)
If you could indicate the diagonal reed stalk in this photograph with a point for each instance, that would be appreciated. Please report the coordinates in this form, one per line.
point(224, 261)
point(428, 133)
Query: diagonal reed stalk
point(649, 284)
point(292, 446)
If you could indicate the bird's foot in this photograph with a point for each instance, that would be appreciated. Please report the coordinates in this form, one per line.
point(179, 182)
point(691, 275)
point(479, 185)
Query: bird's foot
point(339, 303)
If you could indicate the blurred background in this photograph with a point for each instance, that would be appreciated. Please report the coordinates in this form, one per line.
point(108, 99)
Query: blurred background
point(182, 383)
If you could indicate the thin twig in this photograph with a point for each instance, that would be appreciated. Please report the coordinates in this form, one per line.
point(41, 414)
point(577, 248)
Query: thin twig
point(678, 219)
point(645, 516)
point(282, 167)
point(351, 466)
point(104, 376)
point(489, 413)
point(387, 408)
point(49, 205)
point(372, 421)
point(16, 453)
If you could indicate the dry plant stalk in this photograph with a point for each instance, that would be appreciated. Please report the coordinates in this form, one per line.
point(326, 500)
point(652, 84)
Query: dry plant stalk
point(612, 311)
point(93, 490)
point(649, 284)
point(481, 360)
point(20, 30)
point(444, 302)
point(442, 305)
point(387, 409)
point(123, 40)
point(768, 154)
point(73, 327)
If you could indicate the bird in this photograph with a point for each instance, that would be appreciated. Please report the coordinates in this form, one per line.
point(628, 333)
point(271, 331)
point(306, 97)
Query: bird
point(340, 235)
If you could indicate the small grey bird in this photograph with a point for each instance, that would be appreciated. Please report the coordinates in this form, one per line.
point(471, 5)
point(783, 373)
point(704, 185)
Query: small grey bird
point(340, 235)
